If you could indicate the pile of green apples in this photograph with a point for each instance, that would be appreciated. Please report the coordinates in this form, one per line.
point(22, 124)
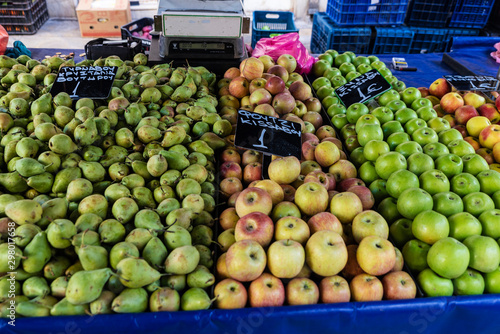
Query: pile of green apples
point(107, 205)
point(439, 196)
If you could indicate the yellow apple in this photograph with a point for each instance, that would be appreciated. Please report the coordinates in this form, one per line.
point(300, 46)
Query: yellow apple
point(476, 124)
point(489, 136)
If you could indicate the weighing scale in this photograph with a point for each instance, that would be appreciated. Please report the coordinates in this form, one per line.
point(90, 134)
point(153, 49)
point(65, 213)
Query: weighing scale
point(201, 32)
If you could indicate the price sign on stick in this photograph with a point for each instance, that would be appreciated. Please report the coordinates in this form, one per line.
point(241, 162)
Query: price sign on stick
point(84, 81)
point(269, 135)
point(363, 88)
point(483, 83)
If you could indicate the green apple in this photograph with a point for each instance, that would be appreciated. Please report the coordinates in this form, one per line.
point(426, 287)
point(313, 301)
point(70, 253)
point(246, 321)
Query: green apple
point(388, 96)
point(447, 203)
point(334, 53)
point(426, 113)
point(464, 183)
point(449, 135)
point(339, 121)
point(397, 84)
point(357, 156)
point(450, 164)
point(342, 58)
point(348, 131)
point(410, 94)
point(367, 172)
point(475, 164)
point(378, 64)
point(388, 163)
point(375, 148)
point(415, 254)
point(384, 71)
point(434, 285)
point(435, 150)
point(320, 82)
point(484, 253)
point(425, 136)
point(351, 55)
point(378, 190)
point(434, 181)
point(492, 281)
point(430, 226)
point(413, 201)
point(331, 72)
point(401, 180)
point(489, 180)
point(489, 221)
point(335, 109)
point(363, 68)
point(470, 282)
point(408, 148)
point(326, 56)
point(352, 75)
point(421, 103)
point(496, 199)
point(460, 147)
point(355, 111)
point(463, 225)
point(328, 101)
point(404, 115)
point(346, 68)
point(389, 210)
point(383, 114)
point(438, 124)
point(400, 232)
point(391, 127)
point(361, 60)
point(414, 124)
point(325, 91)
point(448, 257)
point(320, 66)
point(351, 143)
point(476, 203)
point(338, 81)
point(369, 132)
point(395, 105)
point(419, 162)
point(366, 119)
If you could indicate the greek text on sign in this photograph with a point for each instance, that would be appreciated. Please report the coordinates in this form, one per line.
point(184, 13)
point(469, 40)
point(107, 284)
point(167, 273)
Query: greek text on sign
point(363, 88)
point(268, 134)
point(473, 82)
point(85, 81)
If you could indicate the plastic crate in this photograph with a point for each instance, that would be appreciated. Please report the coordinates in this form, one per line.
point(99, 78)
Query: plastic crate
point(392, 40)
point(136, 26)
point(23, 17)
point(427, 40)
point(429, 13)
point(265, 24)
point(452, 32)
point(326, 35)
point(471, 13)
point(367, 12)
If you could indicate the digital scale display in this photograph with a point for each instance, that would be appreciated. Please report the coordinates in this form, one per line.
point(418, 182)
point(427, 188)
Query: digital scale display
point(201, 46)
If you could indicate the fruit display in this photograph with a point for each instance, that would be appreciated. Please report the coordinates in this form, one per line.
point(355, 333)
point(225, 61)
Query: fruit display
point(308, 232)
point(107, 205)
point(427, 156)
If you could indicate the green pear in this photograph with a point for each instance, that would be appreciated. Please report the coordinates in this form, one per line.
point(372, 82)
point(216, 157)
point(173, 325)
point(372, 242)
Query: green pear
point(14, 182)
point(155, 253)
point(96, 204)
point(173, 136)
point(206, 255)
point(35, 286)
point(25, 211)
point(42, 105)
point(175, 160)
point(143, 197)
point(63, 115)
point(149, 219)
point(114, 285)
point(182, 260)
point(62, 144)
point(93, 257)
point(28, 167)
point(121, 251)
point(53, 209)
point(45, 131)
point(157, 165)
point(70, 160)
point(136, 273)
point(37, 253)
point(56, 267)
point(88, 221)
point(140, 237)
point(92, 153)
point(181, 217)
point(92, 171)
point(102, 305)
point(64, 177)
point(60, 232)
point(124, 209)
point(202, 235)
point(113, 154)
point(65, 307)
point(164, 299)
point(163, 192)
point(58, 286)
point(86, 286)
point(78, 189)
point(166, 206)
point(177, 236)
point(111, 231)
point(201, 277)
point(196, 172)
point(24, 234)
point(131, 300)
point(195, 299)
point(86, 237)
point(31, 309)
point(10, 257)
point(116, 191)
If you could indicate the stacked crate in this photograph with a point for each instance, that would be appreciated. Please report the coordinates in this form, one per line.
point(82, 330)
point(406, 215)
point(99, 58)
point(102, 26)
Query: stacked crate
point(23, 17)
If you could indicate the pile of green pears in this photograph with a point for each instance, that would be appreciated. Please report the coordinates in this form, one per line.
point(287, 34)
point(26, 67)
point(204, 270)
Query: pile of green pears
point(107, 205)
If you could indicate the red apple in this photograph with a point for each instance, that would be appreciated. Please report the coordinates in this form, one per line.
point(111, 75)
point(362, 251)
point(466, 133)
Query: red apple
point(275, 85)
point(250, 156)
point(228, 218)
point(272, 188)
point(265, 109)
point(366, 288)
point(451, 102)
point(324, 221)
point(231, 201)
point(302, 291)
point(308, 148)
point(287, 61)
point(245, 260)
point(365, 195)
point(313, 104)
point(464, 113)
point(343, 169)
point(231, 169)
point(489, 136)
point(311, 198)
point(314, 118)
point(487, 154)
point(239, 87)
point(376, 255)
point(253, 199)
point(267, 290)
point(352, 267)
point(300, 90)
point(232, 73)
point(284, 170)
point(318, 176)
point(440, 87)
point(255, 226)
point(326, 253)
point(348, 183)
point(251, 68)
point(292, 228)
point(230, 154)
point(300, 109)
point(230, 294)
point(260, 96)
point(310, 136)
point(256, 84)
point(283, 103)
point(334, 289)
point(279, 71)
point(474, 99)
point(288, 192)
point(229, 186)
point(228, 101)
point(424, 91)
point(489, 111)
point(220, 267)
point(267, 60)
point(252, 172)
point(398, 285)
point(326, 132)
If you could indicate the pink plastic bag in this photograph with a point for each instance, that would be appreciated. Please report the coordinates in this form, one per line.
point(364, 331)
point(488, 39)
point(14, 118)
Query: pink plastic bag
point(496, 54)
point(286, 44)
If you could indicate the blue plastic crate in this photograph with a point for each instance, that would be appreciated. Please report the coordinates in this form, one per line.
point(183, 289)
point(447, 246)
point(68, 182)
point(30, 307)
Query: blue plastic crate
point(326, 35)
point(367, 12)
point(471, 13)
point(429, 13)
point(452, 32)
point(427, 40)
point(277, 22)
point(23, 17)
point(392, 40)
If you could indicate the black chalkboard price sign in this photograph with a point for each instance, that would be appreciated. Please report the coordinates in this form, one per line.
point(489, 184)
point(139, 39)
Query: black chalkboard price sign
point(484, 83)
point(84, 81)
point(268, 134)
point(363, 88)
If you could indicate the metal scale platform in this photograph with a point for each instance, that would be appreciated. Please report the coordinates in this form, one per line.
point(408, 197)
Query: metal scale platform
point(207, 33)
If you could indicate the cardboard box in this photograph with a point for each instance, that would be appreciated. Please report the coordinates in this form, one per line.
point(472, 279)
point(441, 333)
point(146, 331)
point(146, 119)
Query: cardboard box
point(103, 18)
